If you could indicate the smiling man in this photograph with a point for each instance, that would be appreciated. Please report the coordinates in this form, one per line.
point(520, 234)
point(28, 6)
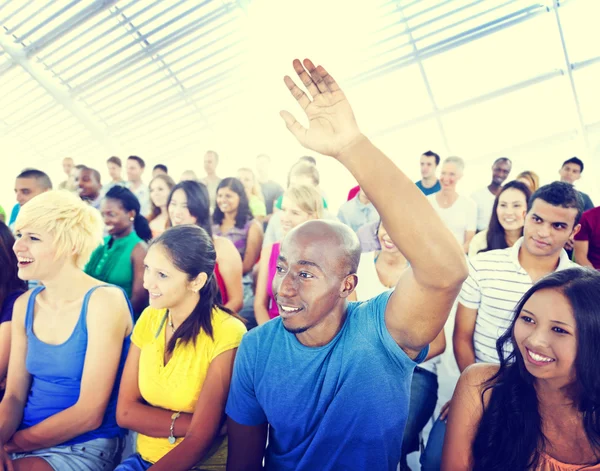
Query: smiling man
point(330, 379)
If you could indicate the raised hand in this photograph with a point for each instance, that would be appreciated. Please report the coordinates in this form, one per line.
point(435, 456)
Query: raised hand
point(331, 123)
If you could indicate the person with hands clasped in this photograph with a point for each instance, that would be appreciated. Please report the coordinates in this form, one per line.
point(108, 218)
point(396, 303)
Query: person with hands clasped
point(330, 379)
point(177, 374)
point(70, 338)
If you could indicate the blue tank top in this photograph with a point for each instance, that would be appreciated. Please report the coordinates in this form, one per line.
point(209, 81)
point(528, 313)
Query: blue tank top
point(56, 372)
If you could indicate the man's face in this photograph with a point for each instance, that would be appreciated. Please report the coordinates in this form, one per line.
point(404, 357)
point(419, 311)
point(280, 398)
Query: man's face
point(210, 163)
point(114, 170)
point(134, 171)
point(27, 188)
point(428, 166)
point(68, 165)
point(89, 186)
point(500, 171)
point(548, 228)
point(570, 173)
point(308, 280)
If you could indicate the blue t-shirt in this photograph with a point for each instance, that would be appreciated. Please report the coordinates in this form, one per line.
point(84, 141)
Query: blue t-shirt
point(429, 191)
point(342, 406)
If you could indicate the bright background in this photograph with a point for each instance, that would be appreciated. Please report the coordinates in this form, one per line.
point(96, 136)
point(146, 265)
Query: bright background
point(168, 80)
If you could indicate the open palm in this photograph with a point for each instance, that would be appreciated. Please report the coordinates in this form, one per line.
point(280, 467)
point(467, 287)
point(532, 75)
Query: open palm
point(331, 122)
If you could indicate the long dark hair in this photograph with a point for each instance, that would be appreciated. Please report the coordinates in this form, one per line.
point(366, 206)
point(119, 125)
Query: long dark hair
point(192, 251)
point(198, 202)
point(154, 210)
point(9, 280)
point(496, 236)
point(129, 202)
point(243, 214)
point(510, 433)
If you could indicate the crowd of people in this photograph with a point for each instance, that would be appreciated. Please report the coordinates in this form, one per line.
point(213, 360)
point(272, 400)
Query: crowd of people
point(232, 323)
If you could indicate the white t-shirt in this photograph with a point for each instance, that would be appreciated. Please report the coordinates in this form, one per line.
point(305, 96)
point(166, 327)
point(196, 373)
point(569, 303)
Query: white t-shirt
point(370, 286)
point(484, 200)
point(459, 218)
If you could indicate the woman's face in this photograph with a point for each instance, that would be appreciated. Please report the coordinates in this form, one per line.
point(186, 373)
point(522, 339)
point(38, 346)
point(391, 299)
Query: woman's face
point(116, 219)
point(385, 241)
point(35, 253)
point(292, 215)
point(512, 208)
point(159, 193)
point(449, 176)
point(167, 286)
point(178, 209)
point(228, 200)
point(546, 336)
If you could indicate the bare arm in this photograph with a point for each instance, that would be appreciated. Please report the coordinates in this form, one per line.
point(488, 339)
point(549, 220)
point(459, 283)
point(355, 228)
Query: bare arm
point(139, 296)
point(261, 296)
point(246, 446)
point(230, 266)
point(581, 253)
point(4, 348)
point(437, 262)
point(108, 322)
point(466, 410)
point(207, 419)
point(468, 238)
point(462, 338)
point(437, 347)
point(135, 414)
point(253, 246)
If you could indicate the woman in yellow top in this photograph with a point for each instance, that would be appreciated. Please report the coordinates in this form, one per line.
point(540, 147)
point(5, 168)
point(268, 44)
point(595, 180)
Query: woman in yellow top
point(177, 374)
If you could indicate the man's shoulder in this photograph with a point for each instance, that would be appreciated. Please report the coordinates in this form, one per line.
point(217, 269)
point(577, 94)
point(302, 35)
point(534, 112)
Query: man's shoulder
point(490, 258)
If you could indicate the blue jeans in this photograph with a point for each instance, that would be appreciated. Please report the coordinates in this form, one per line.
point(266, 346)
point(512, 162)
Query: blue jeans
point(423, 398)
point(134, 463)
point(431, 458)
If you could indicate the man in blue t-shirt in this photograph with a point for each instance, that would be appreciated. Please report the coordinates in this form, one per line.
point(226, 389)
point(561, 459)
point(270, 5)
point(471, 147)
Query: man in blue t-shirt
point(329, 379)
point(429, 183)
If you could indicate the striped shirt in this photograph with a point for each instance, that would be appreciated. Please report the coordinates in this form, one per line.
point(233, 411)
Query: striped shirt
point(495, 285)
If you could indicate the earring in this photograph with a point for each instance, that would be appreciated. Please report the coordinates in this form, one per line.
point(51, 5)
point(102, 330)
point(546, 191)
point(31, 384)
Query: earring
point(131, 219)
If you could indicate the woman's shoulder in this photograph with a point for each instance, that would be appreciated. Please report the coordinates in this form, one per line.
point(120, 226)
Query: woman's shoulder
point(226, 325)
point(476, 377)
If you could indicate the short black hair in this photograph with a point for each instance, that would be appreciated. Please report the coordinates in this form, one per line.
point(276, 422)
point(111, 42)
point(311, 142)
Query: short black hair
point(139, 160)
point(502, 159)
point(559, 194)
point(95, 172)
point(115, 160)
point(308, 158)
point(430, 153)
point(41, 177)
point(574, 160)
point(161, 167)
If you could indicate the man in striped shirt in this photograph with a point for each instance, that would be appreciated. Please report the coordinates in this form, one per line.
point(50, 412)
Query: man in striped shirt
point(497, 281)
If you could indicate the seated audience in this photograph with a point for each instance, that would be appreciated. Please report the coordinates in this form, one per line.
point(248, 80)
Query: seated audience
point(570, 172)
point(212, 180)
point(178, 416)
point(587, 240)
point(89, 186)
point(67, 165)
point(189, 175)
point(530, 179)
point(256, 200)
point(120, 260)
point(271, 189)
point(160, 189)
point(458, 212)
point(115, 169)
point(135, 170)
point(379, 271)
point(300, 204)
point(429, 183)
point(329, 380)
point(159, 169)
point(357, 212)
point(507, 221)
point(11, 287)
point(29, 183)
point(485, 198)
point(537, 409)
point(70, 338)
point(497, 281)
point(189, 204)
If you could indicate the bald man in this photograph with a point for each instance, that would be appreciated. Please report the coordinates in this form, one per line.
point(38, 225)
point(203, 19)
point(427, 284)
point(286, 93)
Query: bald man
point(330, 379)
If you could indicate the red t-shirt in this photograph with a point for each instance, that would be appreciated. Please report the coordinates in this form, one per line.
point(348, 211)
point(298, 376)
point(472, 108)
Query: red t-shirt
point(590, 231)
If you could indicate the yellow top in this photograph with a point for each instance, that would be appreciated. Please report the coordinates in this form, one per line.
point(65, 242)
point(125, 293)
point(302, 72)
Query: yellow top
point(176, 386)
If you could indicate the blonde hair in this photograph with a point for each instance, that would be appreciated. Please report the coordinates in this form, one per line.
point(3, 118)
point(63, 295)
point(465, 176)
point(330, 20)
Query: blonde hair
point(74, 225)
point(307, 198)
point(256, 190)
point(532, 178)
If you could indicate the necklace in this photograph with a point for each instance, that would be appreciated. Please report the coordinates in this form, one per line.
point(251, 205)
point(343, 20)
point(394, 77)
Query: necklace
point(171, 321)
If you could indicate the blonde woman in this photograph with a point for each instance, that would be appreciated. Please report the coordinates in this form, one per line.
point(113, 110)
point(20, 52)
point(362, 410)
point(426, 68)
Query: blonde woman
point(70, 338)
point(300, 204)
point(256, 199)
